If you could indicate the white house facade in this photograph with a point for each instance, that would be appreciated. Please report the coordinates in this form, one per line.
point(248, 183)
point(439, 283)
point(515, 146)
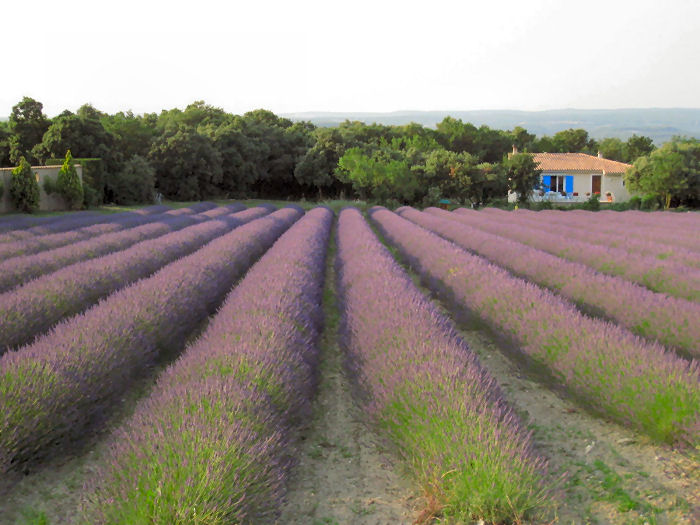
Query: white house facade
point(574, 177)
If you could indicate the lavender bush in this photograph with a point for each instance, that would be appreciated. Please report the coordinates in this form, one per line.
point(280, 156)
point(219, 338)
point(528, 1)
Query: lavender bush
point(211, 439)
point(76, 220)
point(427, 391)
point(669, 320)
point(59, 385)
point(612, 371)
point(580, 229)
point(32, 309)
point(19, 270)
point(673, 234)
point(657, 275)
point(9, 223)
point(119, 222)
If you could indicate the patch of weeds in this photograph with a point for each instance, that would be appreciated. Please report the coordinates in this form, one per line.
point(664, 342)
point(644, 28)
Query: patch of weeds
point(316, 452)
point(363, 510)
point(326, 521)
point(33, 517)
point(615, 493)
point(345, 451)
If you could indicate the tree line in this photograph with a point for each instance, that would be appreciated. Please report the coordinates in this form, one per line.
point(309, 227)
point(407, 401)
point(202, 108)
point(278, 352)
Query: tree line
point(203, 152)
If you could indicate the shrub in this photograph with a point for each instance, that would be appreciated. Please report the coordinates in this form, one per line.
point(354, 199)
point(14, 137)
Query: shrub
point(593, 203)
point(93, 179)
point(49, 186)
point(649, 202)
point(68, 183)
point(24, 189)
point(542, 205)
point(635, 202)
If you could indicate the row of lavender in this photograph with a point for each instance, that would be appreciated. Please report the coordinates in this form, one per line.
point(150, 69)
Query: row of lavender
point(21, 269)
point(32, 309)
point(669, 320)
point(58, 385)
point(427, 391)
point(13, 231)
point(636, 217)
point(670, 232)
point(582, 230)
point(657, 275)
point(211, 440)
point(116, 223)
point(613, 371)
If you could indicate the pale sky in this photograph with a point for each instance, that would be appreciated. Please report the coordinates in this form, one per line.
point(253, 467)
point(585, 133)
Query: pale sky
point(350, 55)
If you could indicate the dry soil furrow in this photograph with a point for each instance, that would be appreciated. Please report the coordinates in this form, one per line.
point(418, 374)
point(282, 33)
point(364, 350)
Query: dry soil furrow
point(343, 475)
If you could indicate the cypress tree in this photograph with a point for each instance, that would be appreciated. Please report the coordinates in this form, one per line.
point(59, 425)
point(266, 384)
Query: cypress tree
point(68, 183)
point(24, 188)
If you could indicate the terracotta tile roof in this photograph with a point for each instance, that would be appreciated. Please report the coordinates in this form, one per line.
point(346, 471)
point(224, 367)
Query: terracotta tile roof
point(578, 162)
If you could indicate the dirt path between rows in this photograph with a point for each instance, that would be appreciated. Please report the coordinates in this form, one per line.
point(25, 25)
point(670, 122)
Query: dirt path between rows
point(343, 475)
point(613, 474)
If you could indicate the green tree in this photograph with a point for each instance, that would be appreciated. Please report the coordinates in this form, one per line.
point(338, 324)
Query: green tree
point(134, 183)
point(670, 173)
point(522, 174)
point(24, 188)
point(637, 146)
point(28, 125)
point(315, 170)
point(384, 175)
point(573, 141)
point(5, 136)
point(68, 183)
point(187, 165)
point(458, 136)
point(613, 148)
point(83, 134)
point(131, 134)
point(521, 139)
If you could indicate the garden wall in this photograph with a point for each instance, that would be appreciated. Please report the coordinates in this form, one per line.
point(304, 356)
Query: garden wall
point(46, 202)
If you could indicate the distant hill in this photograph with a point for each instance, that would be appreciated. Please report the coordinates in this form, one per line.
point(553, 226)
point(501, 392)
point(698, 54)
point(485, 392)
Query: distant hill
point(658, 123)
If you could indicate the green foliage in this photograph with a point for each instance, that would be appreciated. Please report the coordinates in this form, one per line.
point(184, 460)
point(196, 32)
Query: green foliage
point(315, 169)
point(187, 165)
point(649, 202)
point(93, 179)
point(134, 183)
point(382, 176)
point(5, 135)
point(593, 203)
point(27, 125)
point(49, 186)
point(83, 134)
point(486, 144)
point(522, 174)
point(68, 184)
point(635, 202)
point(24, 188)
point(671, 173)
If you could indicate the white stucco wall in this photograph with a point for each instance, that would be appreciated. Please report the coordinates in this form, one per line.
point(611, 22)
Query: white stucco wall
point(46, 202)
point(583, 183)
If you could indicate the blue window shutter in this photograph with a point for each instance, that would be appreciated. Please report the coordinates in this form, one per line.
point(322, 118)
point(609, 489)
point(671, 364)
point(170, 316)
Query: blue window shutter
point(546, 181)
point(569, 183)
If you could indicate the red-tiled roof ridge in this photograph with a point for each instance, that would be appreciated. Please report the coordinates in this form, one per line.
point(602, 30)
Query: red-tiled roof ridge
point(578, 162)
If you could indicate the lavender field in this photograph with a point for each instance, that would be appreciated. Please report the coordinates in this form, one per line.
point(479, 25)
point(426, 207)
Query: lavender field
point(259, 363)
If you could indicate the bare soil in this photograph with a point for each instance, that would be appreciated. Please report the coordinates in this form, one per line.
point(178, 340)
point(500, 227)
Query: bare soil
point(344, 476)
